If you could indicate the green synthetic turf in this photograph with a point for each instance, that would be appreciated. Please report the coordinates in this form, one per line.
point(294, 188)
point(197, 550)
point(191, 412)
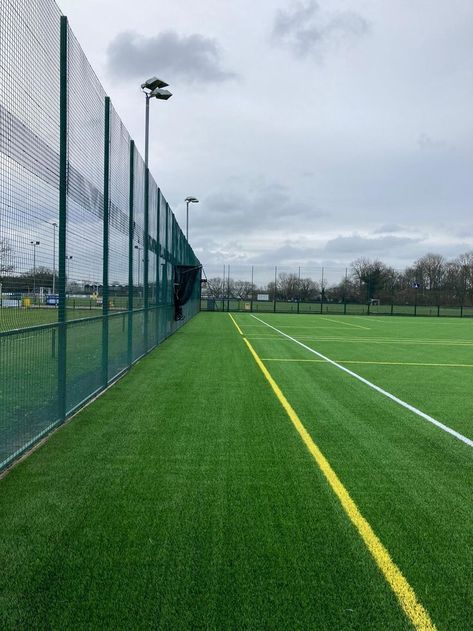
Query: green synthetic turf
point(184, 499)
point(19, 318)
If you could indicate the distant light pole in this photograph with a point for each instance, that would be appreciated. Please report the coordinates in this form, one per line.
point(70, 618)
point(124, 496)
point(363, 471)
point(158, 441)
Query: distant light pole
point(34, 244)
point(54, 225)
point(189, 200)
point(137, 247)
point(68, 262)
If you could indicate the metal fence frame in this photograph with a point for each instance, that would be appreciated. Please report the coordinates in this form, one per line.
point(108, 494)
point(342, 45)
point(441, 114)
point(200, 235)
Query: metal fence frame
point(51, 370)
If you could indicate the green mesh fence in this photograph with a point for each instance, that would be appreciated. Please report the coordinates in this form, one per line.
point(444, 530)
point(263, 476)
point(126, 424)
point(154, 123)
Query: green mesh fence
point(86, 261)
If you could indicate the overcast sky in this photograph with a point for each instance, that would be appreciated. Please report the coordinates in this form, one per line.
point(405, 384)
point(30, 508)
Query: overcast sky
point(311, 132)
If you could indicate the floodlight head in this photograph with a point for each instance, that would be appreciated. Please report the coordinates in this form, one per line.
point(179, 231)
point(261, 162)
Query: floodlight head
point(191, 200)
point(161, 94)
point(153, 83)
point(34, 242)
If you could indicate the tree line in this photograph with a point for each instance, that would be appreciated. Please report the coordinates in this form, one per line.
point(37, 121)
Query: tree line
point(430, 280)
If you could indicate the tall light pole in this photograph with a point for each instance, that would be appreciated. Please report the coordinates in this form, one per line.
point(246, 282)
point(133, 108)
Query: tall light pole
point(54, 225)
point(153, 88)
point(34, 244)
point(189, 200)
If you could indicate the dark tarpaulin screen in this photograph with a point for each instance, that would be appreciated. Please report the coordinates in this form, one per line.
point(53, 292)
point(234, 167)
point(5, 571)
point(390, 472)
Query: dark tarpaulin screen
point(185, 277)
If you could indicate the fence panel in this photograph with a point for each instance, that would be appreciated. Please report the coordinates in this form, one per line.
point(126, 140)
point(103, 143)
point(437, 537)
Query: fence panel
point(75, 308)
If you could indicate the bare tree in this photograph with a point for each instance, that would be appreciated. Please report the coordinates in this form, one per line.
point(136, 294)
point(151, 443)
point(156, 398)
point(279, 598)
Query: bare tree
point(219, 287)
point(287, 286)
point(6, 256)
point(430, 270)
point(243, 289)
point(374, 274)
point(308, 289)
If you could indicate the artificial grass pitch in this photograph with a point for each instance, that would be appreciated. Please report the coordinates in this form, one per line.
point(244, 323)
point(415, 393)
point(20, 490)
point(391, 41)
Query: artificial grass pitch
point(184, 499)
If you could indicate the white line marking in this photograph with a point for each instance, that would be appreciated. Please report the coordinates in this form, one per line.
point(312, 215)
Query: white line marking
point(387, 394)
point(357, 326)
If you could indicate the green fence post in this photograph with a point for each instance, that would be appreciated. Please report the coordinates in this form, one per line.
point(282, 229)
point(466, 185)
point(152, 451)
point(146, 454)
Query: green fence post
point(166, 258)
point(275, 285)
point(438, 311)
point(130, 252)
point(61, 284)
point(106, 229)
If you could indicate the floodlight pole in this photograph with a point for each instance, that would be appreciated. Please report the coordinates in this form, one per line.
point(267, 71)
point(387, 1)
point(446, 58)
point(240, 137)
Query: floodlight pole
point(137, 247)
point(147, 95)
point(146, 222)
point(34, 244)
point(187, 221)
point(68, 262)
point(153, 87)
point(54, 225)
point(189, 200)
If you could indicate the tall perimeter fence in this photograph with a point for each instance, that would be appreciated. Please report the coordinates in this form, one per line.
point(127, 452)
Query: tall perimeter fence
point(93, 265)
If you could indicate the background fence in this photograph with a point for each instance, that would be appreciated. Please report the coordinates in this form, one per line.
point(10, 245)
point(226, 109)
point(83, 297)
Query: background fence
point(86, 261)
point(374, 290)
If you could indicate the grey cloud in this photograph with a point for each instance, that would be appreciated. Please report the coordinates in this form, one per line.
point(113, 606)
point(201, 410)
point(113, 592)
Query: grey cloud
point(427, 143)
point(192, 57)
point(358, 245)
point(389, 228)
point(290, 254)
point(265, 207)
point(306, 30)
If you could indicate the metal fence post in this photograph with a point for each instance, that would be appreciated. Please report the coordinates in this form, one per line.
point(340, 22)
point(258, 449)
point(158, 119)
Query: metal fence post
point(322, 292)
point(166, 257)
point(106, 237)
point(275, 285)
point(252, 286)
point(299, 290)
point(130, 252)
point(63, 134)
point(228, 289)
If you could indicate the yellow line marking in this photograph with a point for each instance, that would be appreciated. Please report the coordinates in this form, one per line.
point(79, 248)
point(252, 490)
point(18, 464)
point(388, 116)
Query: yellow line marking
point(235, 323)
point(393, 575)
point(357, 326)
point(356, 361)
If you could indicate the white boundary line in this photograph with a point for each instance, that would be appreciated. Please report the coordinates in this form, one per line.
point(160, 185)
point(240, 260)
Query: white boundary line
point(423, 415)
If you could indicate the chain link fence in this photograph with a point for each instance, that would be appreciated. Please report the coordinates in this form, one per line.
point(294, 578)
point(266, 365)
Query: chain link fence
point(88, 256)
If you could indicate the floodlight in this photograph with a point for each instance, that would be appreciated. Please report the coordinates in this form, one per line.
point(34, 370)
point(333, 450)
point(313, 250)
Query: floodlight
point(153, 83)
point(161, 94)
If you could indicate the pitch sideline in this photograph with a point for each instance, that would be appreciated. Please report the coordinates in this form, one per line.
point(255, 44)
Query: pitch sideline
point(408, 406)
